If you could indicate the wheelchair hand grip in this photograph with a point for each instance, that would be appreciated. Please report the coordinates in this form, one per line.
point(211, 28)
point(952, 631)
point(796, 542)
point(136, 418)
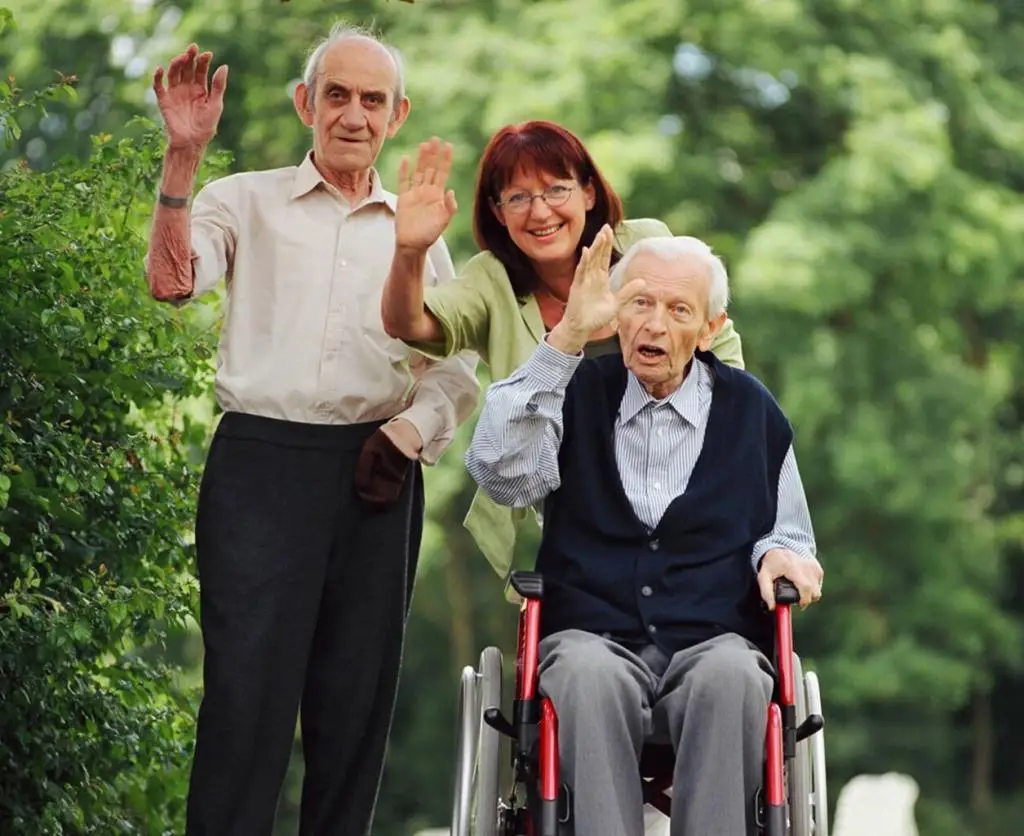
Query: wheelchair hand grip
point(786, 592)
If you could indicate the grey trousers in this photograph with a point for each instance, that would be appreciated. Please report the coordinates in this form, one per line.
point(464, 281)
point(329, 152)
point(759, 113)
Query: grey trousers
point(709, 701)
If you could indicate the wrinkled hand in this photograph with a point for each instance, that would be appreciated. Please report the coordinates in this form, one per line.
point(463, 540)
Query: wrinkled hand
point(382, 468)
point(191, 104)
point(592, 304)
point(804, 573)
point(425, 208)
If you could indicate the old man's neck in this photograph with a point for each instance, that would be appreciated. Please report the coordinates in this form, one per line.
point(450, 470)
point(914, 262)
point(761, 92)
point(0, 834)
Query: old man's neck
point(354, 186)
point(661, 389)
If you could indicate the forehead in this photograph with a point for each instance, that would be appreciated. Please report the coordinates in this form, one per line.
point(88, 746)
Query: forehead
point(359, 64)
point(530, 175)
point(677, 276)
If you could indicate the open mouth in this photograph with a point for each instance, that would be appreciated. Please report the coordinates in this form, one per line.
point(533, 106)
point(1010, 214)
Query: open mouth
point(547, 231)
point(651, 352)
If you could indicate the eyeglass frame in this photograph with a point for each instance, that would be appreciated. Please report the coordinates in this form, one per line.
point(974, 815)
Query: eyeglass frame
point(528, 205)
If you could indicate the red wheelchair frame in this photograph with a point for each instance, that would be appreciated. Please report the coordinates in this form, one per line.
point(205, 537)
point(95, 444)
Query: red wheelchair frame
point(534, 731)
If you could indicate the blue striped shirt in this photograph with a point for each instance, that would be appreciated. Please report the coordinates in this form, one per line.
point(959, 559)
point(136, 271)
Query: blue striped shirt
point(514, 453)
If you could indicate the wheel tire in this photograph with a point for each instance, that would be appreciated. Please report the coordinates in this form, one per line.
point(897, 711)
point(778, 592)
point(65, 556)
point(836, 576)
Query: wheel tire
point(466, 734)
point(800, 818)
point(488, 753)
point(816, 745)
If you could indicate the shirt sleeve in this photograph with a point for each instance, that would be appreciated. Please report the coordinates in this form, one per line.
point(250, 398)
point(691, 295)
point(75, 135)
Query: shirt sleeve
point(460, 307)
point(446, 390)
point(514, 453)
point(793, 529)
point(214, 232)
point(727, 345)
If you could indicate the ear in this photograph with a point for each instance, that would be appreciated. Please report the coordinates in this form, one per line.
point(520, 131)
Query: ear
point(303, 104)
point(712, 329)
point(398, 116)
point(590, 196)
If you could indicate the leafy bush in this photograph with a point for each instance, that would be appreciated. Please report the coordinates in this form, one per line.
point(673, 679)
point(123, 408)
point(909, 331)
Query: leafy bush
point(98, 478)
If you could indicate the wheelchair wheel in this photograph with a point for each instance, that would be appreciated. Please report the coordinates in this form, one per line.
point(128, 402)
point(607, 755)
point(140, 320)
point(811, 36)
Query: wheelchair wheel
point(475, 802)
point(489, 748)
point(800, 820)
point(816, 744)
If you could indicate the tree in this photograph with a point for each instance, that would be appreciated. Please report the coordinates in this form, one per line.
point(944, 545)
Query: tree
point(97, 486)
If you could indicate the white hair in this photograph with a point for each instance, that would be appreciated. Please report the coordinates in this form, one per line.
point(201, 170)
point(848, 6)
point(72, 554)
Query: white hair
point(672, 249)
point(342, 31)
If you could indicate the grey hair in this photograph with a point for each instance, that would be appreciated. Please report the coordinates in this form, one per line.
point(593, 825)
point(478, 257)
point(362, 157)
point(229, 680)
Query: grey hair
point(342, 31)
point(671, 249)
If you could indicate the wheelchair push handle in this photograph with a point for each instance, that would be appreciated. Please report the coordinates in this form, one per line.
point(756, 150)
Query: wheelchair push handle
point(786, 592)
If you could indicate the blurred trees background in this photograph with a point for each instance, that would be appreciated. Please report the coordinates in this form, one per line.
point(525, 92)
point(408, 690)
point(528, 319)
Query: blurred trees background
point(858, 163)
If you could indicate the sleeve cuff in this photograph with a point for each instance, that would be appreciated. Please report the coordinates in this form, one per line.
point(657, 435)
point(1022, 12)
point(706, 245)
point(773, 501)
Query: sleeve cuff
point(550, 367)
point(762, 548)
point(428, 421)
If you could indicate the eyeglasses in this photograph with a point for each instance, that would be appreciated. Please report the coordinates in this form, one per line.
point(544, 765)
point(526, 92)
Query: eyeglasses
point(522, 201)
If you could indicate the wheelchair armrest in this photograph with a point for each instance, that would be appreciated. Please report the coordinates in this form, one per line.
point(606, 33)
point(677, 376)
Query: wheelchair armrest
point(528, 585)
point(786, 592)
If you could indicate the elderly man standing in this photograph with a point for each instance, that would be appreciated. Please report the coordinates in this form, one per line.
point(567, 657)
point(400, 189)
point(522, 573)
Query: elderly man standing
point(671, 495)
point(311, 505)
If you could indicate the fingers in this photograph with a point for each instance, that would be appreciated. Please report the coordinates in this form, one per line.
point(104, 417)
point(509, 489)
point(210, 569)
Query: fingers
point(595, 260)
point(188, 69)
point(434, 163)
point(158, 83)
point(219, 82)
point(202, 70)
point(404, 181)
point(633, 288)
point(176, 69)
point(766, 583)
point(424, 162)
point(449, 202)
point(444, 166)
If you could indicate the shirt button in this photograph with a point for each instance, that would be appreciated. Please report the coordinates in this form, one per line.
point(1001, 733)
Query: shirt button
point(654, 545)
point(657, 486)
point(344, 263)
point(646, 591)
point(652, 629)
point(606, 635)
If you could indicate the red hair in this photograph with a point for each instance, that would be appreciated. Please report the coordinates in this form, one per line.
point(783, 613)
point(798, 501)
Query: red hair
point(551, 149)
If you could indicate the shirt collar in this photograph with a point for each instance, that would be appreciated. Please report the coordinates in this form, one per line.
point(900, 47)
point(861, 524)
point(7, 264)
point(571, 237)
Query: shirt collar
point(308, 178)
point(686, 400)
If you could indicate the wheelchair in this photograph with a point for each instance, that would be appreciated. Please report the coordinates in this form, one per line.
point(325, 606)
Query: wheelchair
point(793, 800)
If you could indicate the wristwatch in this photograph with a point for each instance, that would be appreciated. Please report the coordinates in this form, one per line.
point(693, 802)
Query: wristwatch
point(173, 202)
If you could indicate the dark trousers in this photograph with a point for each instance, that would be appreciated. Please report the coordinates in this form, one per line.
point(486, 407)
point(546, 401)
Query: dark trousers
point(304, 595)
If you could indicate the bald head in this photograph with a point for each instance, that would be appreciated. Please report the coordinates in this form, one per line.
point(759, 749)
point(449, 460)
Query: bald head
point(366, 46)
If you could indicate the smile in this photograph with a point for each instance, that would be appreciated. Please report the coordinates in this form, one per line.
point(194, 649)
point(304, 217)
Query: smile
point(546, 231)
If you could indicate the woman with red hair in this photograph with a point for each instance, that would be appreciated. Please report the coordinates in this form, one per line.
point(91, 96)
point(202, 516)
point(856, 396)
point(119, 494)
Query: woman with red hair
point(540, 199)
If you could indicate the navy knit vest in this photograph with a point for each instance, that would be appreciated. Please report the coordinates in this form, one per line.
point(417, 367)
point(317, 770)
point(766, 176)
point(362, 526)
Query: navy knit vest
point(691, 577)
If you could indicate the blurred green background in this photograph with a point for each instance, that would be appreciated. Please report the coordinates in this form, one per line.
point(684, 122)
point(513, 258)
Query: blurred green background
point(859, 165)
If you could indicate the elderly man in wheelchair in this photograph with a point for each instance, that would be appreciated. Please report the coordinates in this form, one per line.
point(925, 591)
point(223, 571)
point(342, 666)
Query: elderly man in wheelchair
point(675, 521)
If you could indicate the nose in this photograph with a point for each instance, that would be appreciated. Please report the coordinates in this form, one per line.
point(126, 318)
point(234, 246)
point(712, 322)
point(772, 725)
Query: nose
point(656, 323)
point(353, 117)
point(539, 209)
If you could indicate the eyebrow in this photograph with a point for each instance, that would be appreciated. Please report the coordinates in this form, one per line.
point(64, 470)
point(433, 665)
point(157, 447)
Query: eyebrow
point(337, 85)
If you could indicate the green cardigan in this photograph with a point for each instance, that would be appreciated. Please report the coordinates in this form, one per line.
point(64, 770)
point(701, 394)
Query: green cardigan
point(479, 312)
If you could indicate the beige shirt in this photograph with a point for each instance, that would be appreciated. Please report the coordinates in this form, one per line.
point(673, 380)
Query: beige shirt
point(302, 338)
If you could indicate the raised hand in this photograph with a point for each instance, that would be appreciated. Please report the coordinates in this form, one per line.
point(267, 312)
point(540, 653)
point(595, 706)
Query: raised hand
point(592, 303)
point(425, 208)
point(191, 104)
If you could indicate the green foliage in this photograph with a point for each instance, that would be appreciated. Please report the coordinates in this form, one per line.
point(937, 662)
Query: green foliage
point(96, 500)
